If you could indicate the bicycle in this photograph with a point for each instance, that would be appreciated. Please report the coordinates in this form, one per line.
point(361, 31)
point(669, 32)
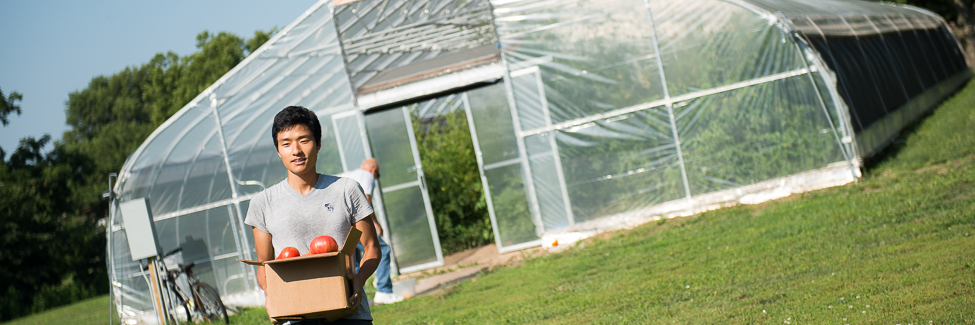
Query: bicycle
point(204, 299)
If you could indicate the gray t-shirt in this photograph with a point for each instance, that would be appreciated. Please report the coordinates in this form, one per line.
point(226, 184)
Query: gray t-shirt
point(332, 206)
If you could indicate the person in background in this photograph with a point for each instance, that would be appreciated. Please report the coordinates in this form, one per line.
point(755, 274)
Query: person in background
point(367, 175)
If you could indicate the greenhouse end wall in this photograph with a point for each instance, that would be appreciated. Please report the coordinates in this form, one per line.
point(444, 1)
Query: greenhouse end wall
point(586, 116)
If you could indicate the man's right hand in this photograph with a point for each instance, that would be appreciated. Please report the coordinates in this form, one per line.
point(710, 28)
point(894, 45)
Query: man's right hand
point(267, 307)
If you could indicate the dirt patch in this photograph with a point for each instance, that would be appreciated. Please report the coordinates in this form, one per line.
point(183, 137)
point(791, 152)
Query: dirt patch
point(944, 167)
point(939, 168)
point(476, 258)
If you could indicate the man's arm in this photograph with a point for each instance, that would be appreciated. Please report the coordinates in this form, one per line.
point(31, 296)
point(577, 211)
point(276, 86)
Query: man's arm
point(375, 221)
point(370, 256)
point(265, 252)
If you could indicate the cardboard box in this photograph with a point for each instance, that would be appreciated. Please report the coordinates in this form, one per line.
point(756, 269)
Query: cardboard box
point(312, 286)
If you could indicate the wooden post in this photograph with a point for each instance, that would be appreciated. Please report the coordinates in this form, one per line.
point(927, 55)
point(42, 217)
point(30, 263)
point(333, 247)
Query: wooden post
point(156, 293)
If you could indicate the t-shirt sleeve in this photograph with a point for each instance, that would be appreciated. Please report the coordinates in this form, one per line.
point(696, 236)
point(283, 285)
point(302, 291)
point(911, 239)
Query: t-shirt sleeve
point(257, 212)
point(359, 208)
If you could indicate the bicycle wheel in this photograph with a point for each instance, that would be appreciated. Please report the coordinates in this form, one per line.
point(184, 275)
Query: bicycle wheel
point(209, 304)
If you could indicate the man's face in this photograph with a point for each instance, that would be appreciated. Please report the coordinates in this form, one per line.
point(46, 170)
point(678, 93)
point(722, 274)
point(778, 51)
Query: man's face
point(298, 150)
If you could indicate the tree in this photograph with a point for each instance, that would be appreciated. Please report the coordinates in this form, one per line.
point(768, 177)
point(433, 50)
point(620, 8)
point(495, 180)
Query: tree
point(49, 255)
point(54, 197)
point(8, 105)
point(455, 188)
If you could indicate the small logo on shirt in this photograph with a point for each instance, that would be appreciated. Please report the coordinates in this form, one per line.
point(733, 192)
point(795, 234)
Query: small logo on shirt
point(328, 206)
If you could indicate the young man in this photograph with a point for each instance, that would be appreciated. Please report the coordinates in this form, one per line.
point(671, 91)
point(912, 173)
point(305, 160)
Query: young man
point(366, 175)
point(308, 204)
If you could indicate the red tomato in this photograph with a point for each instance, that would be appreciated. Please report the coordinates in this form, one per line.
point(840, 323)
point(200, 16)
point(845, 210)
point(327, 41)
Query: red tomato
point(323, 244)
point(288, 252)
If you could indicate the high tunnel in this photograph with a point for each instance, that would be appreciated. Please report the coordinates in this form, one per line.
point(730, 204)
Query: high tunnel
point(581, 112)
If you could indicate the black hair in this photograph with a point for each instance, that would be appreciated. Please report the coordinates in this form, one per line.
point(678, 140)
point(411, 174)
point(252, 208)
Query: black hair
point(292, 116)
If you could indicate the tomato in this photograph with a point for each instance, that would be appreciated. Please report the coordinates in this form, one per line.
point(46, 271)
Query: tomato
point(288, 252)
point(323, 244)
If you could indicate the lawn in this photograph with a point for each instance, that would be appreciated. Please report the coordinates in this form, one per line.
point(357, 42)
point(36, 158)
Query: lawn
point(898, 247)
point(92, 311)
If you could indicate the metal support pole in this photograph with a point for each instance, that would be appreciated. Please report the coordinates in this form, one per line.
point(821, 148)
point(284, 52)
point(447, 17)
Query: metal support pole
point(670, 105)
point(822, 102)
point(241, 247)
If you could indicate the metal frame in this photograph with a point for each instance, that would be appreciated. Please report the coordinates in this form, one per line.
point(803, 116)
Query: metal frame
point(338, 135)
point(841, 108)
point(480, 167)
point(522, 152)
point(819, 95)
point(523, 155)
point(445, 83)
point(672, 100)
point(556, 156)
point(670, 104)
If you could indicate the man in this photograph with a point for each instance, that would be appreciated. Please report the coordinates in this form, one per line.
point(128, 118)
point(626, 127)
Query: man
point(366, 175)
point(308, 204)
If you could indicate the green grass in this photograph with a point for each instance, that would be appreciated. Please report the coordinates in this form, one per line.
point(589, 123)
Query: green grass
point(91, 311)
point(897, 247)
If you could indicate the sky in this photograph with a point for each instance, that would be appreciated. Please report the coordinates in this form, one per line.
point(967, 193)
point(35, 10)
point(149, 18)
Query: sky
point(49, 49)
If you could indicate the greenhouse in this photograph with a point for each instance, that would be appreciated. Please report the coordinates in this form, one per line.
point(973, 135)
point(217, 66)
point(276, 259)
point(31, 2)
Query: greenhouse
point(584, 115)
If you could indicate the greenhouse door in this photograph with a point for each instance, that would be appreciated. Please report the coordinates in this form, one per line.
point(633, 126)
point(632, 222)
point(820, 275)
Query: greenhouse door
point(350, 134)
point(501, 166)
point(408, 212)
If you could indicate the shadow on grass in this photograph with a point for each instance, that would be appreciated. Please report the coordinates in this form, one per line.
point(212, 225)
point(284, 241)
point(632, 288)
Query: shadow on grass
point(899, 142)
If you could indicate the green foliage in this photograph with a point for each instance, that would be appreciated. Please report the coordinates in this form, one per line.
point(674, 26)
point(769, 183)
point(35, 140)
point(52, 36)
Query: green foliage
point(50, 254)
point(260, 37)
point(453, 181)
point(945, 8)
point(9, 105)
point(54, 198)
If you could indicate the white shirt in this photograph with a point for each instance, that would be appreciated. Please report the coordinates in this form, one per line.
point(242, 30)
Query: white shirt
point(364, 178)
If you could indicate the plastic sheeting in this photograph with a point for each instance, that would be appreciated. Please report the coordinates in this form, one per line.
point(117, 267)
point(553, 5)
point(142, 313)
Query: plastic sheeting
point(383, 35)
point(705, 95)
point(604, 109)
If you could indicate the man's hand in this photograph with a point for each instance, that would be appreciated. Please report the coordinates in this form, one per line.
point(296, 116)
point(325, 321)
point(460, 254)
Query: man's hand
point(375, 220)
point(370, 256)
point(379, 228)
point(357, 299)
